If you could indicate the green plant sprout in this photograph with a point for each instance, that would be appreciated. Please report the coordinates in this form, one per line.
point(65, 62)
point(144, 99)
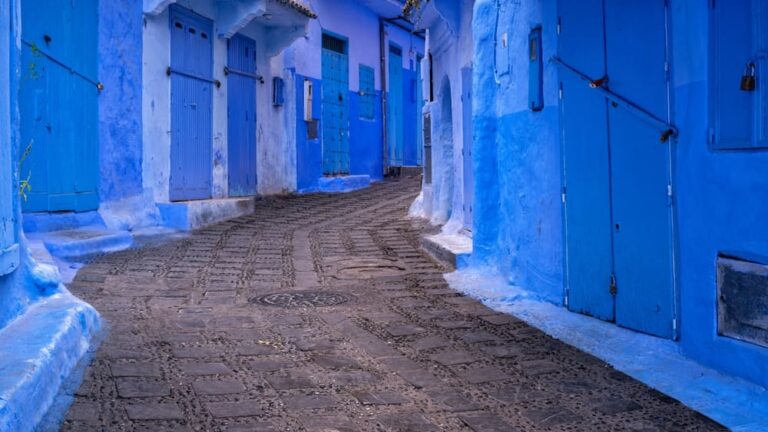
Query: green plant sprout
point(25, 187)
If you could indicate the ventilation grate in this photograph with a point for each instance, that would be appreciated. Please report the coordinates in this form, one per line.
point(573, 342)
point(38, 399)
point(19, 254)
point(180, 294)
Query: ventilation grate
point(742, 306)
point(334, 44)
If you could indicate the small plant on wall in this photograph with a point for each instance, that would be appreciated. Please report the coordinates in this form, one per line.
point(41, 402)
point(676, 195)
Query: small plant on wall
point(412, 10)
point(25, 187)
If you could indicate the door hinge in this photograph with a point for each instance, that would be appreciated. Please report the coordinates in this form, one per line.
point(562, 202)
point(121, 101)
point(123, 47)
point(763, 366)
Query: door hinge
point(560, 92)
point(711, 136)
point(674, 326)
point(562, 195)
point(559, 24)
point(612, 288)
point(669, 193)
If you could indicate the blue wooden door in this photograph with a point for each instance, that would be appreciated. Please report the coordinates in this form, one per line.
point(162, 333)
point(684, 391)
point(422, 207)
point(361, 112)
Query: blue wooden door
point(616, 172)
point(395, 107)
point(335, 116)
point(59, 105)
point(640, 166)
point(241, 84)
point(191, 105)
point(466, 152)
point(587, 211)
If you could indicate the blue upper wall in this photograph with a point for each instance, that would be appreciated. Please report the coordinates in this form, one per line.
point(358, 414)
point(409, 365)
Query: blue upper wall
point(517, 219)
point(120, 124)
point(719, 204)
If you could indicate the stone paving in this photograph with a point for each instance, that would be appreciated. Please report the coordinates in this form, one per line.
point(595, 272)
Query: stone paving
point(320, 313)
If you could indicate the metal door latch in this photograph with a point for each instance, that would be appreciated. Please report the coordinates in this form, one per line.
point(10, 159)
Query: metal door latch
point(598, 82)
point(666, 135)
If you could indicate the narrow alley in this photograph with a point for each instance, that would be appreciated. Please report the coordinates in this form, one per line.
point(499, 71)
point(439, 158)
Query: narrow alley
point(321, 313)
point(383, 215)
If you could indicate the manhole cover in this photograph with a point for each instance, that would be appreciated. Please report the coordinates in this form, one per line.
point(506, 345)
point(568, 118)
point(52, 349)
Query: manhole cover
point(367, 268)
point(302, 299)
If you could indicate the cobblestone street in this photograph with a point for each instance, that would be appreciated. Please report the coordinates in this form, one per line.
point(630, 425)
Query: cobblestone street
point(321, 313)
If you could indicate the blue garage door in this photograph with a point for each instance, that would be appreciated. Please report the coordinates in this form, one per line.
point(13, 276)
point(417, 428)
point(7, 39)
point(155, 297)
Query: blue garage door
point(395, 107)
point(335, 106)
point(191, 105)
point(241, 89)
point(616, 160)
point(59, 105)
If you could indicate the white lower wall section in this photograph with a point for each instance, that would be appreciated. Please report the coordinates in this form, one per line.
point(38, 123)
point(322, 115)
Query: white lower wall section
point(276, 158)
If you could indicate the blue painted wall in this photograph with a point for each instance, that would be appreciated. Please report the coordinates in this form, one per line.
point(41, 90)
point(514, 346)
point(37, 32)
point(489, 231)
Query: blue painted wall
point(717, 205)
point(365, 148)
point(120, 124)
point(517, 224)
point(13, 296)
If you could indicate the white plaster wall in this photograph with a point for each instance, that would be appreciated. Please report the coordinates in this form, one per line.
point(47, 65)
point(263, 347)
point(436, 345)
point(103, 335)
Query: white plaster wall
point(156, 106)
point(157, 103)
point(276, 160)
point(449, 57)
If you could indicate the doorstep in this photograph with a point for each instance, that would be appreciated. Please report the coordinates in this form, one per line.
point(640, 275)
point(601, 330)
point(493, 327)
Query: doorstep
point(343, 184)
point(191, 215)
point(83, 241)
point(450, 249)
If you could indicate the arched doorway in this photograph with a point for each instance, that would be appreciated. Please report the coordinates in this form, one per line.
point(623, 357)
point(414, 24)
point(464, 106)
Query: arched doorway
point(444, 175)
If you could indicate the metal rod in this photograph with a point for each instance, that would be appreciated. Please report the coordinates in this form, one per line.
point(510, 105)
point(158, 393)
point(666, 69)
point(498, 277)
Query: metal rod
point(668, 130)
point(170, 71)
point(35, 49)
point(228, 70)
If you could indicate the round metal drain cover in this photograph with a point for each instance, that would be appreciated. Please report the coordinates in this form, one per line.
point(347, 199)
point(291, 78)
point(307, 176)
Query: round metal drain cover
point(302, 299)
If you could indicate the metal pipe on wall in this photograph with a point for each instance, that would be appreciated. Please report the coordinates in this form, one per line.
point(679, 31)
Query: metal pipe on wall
point(384, 117)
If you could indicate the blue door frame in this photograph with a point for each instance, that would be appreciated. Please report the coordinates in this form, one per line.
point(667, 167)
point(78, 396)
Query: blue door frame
point(419, 115)
point(466, 152)
point(59, 105)
point(335, 116)
point(616, 174)
point(9, 248)
point(191, 105)
point(241, 116)
point(395, 107)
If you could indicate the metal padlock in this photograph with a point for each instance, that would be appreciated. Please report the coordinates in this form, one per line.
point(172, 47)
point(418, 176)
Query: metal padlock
point(748, 80)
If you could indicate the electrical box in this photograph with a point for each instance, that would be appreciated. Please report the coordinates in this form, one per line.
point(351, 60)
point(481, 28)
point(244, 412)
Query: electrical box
point(308, 96)
point(535, 71)
point(278, 91)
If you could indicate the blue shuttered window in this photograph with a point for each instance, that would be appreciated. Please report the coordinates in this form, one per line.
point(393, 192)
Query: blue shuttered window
point(739, 46)
point(367, 93)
